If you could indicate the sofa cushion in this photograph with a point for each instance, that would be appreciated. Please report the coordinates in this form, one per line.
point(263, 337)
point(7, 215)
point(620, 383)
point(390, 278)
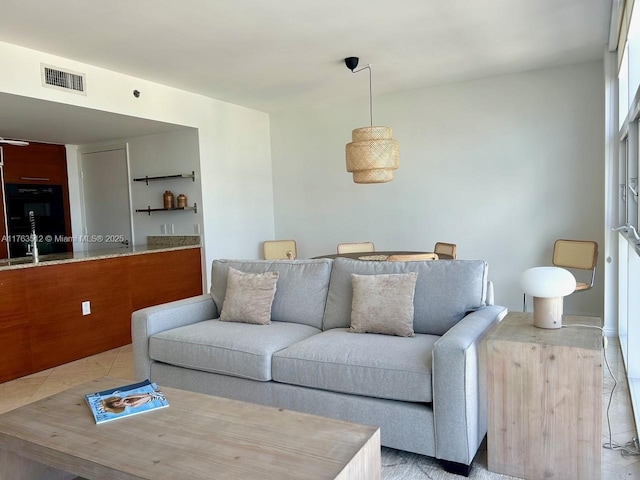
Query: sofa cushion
point(382, 366)
point(237, 349)
point(249, 297)
point(302, 286)
point(446, 290)
point(383, 304)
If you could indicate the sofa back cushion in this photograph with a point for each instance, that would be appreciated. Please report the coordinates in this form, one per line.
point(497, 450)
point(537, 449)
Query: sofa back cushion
point(301, 290)
point(446, 290)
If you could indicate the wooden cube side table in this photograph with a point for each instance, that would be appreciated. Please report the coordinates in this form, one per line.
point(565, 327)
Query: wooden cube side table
point(544, 392)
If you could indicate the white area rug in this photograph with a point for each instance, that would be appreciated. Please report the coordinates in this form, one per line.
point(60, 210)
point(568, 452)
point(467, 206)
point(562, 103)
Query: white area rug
point(399, 465)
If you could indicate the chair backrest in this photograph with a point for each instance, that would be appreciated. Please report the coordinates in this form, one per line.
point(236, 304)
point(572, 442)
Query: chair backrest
point(448, 249)
point(356, 247)
point(412, 257)
point(280, 249)
point(576, 254)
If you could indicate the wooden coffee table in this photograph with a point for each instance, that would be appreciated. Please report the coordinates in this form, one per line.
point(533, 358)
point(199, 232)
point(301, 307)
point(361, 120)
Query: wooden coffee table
point(198, 436)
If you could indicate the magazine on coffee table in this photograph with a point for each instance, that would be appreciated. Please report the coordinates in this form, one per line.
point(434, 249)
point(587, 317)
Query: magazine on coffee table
point(125, 401)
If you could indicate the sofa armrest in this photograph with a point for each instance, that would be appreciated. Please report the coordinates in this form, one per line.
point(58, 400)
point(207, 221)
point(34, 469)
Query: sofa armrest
point(151, 320)
point(459, 386)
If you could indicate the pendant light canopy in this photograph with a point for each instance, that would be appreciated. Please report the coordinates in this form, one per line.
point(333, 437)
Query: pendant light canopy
point(373, 154)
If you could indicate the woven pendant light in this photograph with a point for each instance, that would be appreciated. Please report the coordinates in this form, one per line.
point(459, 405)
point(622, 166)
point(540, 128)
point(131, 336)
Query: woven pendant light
point(373, 154)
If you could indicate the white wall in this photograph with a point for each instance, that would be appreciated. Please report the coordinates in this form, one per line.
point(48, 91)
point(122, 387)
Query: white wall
point(233, 142)
point(501, 166)
point(165, 154)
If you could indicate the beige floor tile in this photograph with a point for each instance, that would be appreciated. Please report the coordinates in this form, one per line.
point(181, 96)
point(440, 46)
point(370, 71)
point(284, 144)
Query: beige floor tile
point(616, 466)
point(48, 382)
point(614, 472)
point(124, 372)
point(43, 373)
point(613, 340)
point(123, 365)
point(621, 422)
point(20, 387)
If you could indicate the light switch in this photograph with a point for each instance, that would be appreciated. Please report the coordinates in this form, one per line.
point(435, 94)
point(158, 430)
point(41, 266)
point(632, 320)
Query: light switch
point(86, 308)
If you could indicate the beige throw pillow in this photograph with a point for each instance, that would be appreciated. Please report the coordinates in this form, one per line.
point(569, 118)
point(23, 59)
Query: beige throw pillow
point(249, 297)
point(383, 303)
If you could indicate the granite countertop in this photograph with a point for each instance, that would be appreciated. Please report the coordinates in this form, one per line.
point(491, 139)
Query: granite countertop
point(58, 258)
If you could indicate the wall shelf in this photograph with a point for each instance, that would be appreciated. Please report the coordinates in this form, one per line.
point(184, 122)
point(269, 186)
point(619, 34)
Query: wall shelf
point(149, 210)
point(148, 179)
point(178, 176)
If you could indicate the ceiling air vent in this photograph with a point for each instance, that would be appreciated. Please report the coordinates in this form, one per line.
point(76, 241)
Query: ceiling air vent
point(54, 77)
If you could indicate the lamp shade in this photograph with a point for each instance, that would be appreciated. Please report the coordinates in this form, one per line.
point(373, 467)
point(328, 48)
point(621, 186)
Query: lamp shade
point(548, 286)
point(548, 282)
point(373, 155)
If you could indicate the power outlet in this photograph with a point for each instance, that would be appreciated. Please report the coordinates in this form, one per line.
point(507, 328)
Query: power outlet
point(171, 229)
point(163, 229)
point(196, 228)
point(86, 308)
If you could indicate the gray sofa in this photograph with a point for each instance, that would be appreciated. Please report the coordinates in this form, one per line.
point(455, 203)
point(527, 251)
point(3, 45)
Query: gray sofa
point(426, 392)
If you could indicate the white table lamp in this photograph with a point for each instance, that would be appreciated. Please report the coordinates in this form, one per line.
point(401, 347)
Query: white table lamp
point(547, 286)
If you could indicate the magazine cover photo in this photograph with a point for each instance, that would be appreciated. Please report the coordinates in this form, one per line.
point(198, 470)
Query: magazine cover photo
point(125, 401)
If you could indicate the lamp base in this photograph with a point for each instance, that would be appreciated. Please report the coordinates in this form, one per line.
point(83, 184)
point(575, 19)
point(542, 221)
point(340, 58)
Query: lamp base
point(547, 312)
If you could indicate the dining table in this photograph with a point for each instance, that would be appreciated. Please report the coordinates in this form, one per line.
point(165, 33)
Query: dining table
point(378, 255)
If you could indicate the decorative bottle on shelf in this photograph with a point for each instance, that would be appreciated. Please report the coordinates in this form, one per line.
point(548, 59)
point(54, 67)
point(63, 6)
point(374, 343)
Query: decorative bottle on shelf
point(168, 199)
point(182, 200)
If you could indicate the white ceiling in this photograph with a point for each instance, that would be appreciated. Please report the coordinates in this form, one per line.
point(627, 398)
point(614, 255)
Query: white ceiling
point(280, 54)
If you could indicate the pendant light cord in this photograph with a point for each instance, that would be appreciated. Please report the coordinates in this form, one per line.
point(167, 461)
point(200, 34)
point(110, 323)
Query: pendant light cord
point(368, 66)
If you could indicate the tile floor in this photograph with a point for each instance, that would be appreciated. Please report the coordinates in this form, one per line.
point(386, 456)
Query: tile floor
point(115, 363)
point(119, 363)
point(614, 465)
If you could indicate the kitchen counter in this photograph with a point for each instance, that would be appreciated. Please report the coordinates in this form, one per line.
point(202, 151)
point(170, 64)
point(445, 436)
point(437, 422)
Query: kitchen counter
point(78, 304)
point(67, 257)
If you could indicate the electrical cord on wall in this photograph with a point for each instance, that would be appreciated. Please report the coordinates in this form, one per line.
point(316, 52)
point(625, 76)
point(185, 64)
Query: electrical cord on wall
point(630, 448)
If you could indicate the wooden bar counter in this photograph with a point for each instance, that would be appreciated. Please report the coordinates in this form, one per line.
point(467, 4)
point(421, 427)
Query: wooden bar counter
point(544, 390)
point(41, 319)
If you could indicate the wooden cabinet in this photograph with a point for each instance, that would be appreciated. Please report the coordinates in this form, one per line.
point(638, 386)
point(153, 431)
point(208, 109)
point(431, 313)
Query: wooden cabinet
point(544, 391)
point(4, 244)
point(58, 330)
point(37, 163)
point(41, 321)
point(160, 276)
point(14, 326)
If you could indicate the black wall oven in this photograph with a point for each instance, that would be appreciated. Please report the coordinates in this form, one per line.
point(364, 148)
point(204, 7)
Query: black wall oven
point(47, 204)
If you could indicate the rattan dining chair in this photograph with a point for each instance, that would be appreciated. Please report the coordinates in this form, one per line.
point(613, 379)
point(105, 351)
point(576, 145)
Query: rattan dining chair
point(412, 257)
point(356, 247)
point(577, 256)
point(279, 249)
point(448, 249)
